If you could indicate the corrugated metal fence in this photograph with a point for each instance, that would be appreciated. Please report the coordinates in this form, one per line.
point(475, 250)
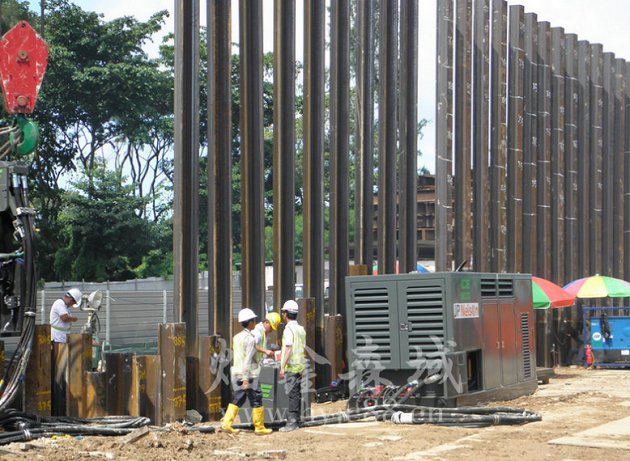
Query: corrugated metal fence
point(127, 317)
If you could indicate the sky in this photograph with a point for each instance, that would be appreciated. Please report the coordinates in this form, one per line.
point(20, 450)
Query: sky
point(600, 21)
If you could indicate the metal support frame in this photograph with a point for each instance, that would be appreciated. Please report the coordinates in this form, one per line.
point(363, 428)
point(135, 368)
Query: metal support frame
point(543, 169)
point(463, 135)
point(570, 158)
point(284, 153)
point(444, 137)
point(364, 137)
point(408, 125)
point(339, 153)
point(530, 145)
point(387, 135)
point(516, 65)
point(480, 146)
point(558, 63)
point(314, 121)
point(583, 138)
point(219, 168)
point(498, 135)
point(186, 170)
point(595, 153)
point(252, 156)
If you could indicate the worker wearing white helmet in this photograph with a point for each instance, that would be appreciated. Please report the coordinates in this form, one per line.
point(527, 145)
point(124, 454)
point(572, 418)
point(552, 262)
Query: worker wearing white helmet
point(293, 362)
point(60, 319)
point(261, 331)
point(245, 372)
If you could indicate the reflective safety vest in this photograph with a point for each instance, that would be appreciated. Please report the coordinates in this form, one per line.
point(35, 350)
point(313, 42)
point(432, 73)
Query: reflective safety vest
point(296, 362)
point(262, 343)
point(239, 355)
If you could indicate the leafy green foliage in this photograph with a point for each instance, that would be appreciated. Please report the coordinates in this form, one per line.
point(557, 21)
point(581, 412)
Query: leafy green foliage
point(106, 238)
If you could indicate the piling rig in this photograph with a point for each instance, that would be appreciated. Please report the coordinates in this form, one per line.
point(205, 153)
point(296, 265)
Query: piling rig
point(23, 60)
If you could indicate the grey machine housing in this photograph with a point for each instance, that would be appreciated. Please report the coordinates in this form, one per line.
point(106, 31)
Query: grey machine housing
point(472, 333)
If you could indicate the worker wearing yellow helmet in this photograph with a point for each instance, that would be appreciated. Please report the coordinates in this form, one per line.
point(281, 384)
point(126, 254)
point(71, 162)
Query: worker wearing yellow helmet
point(262, 330)
point(245, 372)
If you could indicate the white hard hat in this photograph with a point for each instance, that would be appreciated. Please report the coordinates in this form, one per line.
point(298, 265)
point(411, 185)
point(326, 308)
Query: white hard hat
point(290, 306)
point(75, 294)
point(245, 315)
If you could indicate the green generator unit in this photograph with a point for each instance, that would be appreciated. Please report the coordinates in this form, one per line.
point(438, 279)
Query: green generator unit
point(468, 337)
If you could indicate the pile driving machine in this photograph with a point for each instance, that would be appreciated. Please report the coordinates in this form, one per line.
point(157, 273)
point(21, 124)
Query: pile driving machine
point(23, 60)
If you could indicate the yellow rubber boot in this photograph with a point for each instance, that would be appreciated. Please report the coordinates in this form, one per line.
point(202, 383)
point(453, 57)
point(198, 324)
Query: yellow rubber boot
point(258, 416)
point(228, 419)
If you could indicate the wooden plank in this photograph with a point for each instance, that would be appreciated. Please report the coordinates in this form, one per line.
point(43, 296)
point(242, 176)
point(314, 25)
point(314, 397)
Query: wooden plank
point(58, 391)
point(172, 349)
point(96, 394)
point(209, 391)
point(79, 363)
point(37, 381)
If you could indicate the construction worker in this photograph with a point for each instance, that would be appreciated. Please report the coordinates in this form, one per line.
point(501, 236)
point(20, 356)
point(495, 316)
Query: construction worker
point(262, 330)
point(293, 363)
point(245, 371)
point(60, 319)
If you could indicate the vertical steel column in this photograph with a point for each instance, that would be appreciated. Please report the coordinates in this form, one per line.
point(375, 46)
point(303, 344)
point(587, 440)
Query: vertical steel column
point(607, 159)
point(626, 178)
point(596, 151)
point(444, 138)
point(463, 138)
point(498, 136)
point(252, 155)
point(364, 142)
point(543, 170)
point(618, 164)
point(284, 153)
point(387, 136)
point(583, 137)
point(186, 171)
point(408, 135)
point(558, 60)
point(570, 160)
point(530, 147)
point(339, 153)
point(314, 121)
point(515, 139)
point(481, 122)
point(219, 168)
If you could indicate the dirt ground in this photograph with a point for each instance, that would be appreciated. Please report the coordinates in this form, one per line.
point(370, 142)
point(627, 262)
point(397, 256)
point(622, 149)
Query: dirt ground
point(574, 401)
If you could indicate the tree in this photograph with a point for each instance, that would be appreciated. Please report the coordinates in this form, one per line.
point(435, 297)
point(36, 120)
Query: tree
point(106, 237)
point(99, 86)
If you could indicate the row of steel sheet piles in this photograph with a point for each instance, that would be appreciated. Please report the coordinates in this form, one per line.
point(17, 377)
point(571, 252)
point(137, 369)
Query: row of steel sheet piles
point(60, 379)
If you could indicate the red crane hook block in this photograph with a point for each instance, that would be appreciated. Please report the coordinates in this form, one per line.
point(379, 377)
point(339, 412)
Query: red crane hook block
point(23, 60)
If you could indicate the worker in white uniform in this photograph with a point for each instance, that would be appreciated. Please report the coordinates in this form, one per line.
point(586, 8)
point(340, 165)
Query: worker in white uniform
point(293, 362)
point(245, 372)
point(60, 319)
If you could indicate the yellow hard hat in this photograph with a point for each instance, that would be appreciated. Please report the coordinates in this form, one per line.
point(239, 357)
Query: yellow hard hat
point(274, 320)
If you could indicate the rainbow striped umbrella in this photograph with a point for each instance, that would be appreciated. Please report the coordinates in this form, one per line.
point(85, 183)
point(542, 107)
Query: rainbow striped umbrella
point(599, 286)
point(547, 294)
